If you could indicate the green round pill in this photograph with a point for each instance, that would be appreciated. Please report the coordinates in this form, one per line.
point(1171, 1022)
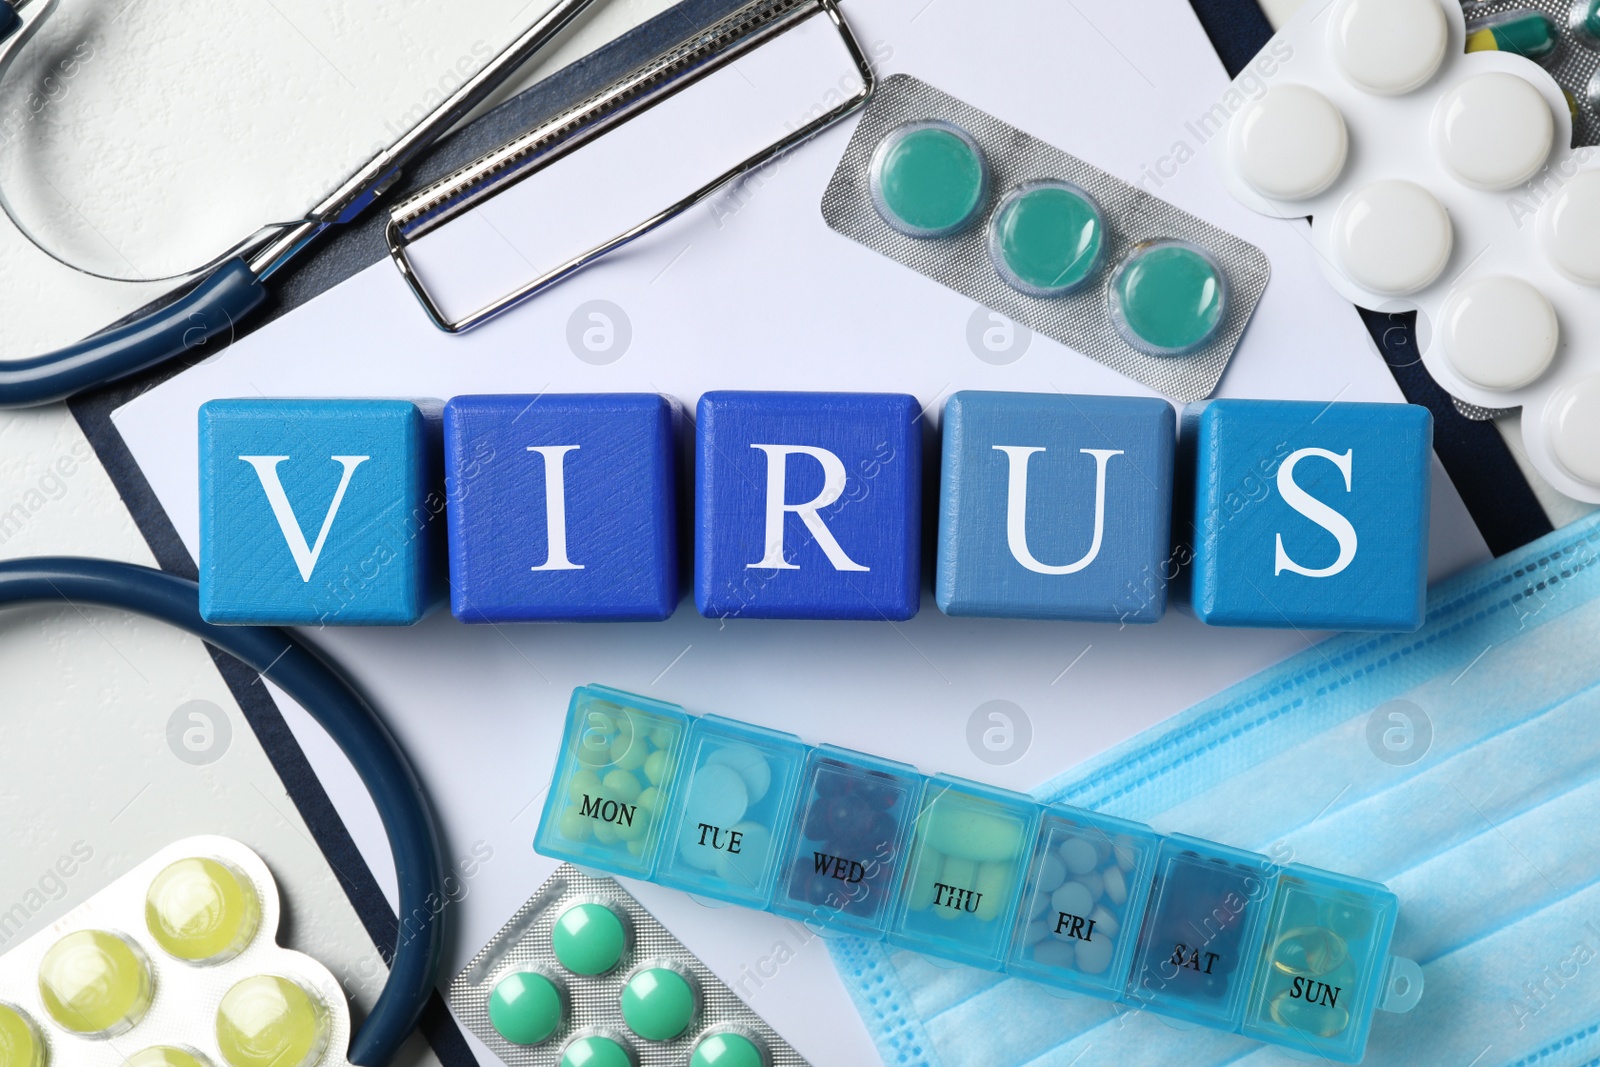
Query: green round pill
point(1169, 298)
point(595, 1051)
point(1047, 238)
point(657, 1004)
point(726, 1050)
point(588, 939)
point(928, 179)
point(525, 1008)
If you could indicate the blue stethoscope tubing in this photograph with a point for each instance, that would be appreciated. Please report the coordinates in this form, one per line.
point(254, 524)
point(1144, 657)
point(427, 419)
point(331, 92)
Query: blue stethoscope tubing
point(344, 713)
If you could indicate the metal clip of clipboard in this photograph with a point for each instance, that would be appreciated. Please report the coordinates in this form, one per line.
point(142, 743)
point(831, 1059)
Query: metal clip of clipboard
point(648, 85)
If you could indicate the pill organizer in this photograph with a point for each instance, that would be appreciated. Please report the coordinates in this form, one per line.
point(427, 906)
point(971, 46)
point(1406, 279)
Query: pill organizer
point(1438, 180)
point(174, 964)
point(583, 976)
point(847, 843)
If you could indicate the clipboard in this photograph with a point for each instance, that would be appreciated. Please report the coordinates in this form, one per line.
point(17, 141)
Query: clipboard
point(1501, 503)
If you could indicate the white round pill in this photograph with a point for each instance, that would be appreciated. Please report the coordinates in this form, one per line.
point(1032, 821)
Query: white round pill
point(1079, 856)
point(1072, 899)
point(1572, 419)
point(1498, 333)
point(1393, 237)
point(1389, 47)
point(1494, 131)
point(1094, 955)
point(1572, 229)
point(1291, 144)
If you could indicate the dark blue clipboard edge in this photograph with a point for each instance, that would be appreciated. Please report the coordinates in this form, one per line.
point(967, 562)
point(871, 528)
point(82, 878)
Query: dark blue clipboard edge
point(1486, 475)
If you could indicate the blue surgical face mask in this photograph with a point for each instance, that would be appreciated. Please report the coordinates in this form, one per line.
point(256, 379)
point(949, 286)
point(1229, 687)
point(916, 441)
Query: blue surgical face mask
point(1459, 765)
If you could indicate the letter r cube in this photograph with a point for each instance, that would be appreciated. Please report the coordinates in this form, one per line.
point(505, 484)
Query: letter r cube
point(808, 505)
point(319, 512)
point(1310, 515)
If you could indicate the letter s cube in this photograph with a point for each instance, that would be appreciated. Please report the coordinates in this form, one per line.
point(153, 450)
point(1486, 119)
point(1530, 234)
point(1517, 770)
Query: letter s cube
point(1310, 515)
point(320, 512)
point(808, 506)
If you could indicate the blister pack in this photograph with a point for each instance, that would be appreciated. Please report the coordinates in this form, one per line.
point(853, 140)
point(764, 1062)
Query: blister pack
point(1562, 36)
point(1046, 239)
point(583, 976)
point(175, 964)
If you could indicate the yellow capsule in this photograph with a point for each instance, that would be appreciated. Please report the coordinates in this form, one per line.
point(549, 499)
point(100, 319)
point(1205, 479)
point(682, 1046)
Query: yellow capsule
point(95, 983)
point(1309, 950)
point(202, 910)
point(21, 1044)
point(271, 1021)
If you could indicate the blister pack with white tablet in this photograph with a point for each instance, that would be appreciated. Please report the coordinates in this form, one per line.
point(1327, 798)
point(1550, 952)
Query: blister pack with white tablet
point(1439, 180)
point(1562, 36)
point(583, 976)
point(1046, 239)
point(172, 965)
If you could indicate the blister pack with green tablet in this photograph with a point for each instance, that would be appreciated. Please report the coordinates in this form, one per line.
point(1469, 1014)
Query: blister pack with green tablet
point(172, 965)
point(583, 976)
point(1046, 239)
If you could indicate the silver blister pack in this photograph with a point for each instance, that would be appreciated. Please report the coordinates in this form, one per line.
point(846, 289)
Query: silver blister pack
point(1575, 63)
point(591, 1005)
point(1081, 319)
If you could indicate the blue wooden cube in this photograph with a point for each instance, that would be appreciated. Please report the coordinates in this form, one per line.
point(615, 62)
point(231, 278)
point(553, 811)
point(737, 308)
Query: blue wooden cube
point(562, 508)
point(1056, 507)
point(808, 506)
point(320, 512)
point(1310, 515)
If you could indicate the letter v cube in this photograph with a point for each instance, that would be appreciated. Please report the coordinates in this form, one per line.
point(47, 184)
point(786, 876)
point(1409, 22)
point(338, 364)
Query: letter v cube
point(320, 512)
point(1056, 506)
point(1310, 515)
point(808, 505)
point(563, 508)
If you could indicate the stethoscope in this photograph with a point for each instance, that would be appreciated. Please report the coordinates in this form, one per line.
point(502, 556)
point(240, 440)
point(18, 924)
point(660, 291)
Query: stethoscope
point(232, 285)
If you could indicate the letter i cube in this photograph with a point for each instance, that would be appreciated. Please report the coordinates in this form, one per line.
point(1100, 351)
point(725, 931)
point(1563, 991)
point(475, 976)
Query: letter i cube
point(563, 508)
point(1056, 507)
point(808, 506)
point(1310, 515)
point(320, 512)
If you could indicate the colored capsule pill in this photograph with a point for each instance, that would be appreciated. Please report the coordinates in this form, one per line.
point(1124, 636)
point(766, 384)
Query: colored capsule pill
point(658, 1003)
point(1531, 34)
point(21, 1044)
point(95, 983)
point(166, 1056)
point(588, 939)
point(929, 179)
point(525, 1008)
point(1169, 298)
point(726, 1050)
point(595, 1051)
point(1047, 238)
point(271, 1021)
point(202, 910)
point(1586, 21)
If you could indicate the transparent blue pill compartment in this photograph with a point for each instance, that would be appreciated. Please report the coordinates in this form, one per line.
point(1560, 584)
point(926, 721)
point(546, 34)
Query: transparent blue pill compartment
point(852, 831)
point(613, 781)
point(964, 873)
point(732, 811)
point(1084, 901)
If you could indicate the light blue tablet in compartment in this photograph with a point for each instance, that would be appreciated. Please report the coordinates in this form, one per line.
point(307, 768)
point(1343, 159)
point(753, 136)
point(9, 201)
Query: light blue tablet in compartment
point(964, 872)
point(732, 811)
point(852, 829)
point(1084, 900)
point(1202, 931)
point(612, 782)
point(1324, 965)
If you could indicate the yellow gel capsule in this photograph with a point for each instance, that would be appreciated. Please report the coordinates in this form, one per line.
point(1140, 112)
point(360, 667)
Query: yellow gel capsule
point(95, 983)
point(270, 1021)
point(166, 1056)
point(21, 1044)
point(202, 910)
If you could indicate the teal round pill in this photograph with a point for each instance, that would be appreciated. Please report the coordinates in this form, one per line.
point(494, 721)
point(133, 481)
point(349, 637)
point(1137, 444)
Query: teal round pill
point(657, 1004)
point(928, 179)
point(726, 1050)
point(1169, 298)
point(588, 939)
point(525, 1008)
point(1047, 238)
point(595, 1051)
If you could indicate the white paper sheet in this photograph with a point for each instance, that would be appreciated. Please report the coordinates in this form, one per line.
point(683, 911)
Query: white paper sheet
point(753, 291)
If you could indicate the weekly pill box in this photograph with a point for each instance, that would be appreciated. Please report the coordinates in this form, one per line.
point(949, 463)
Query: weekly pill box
point(848, 843)
point(175, 964)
